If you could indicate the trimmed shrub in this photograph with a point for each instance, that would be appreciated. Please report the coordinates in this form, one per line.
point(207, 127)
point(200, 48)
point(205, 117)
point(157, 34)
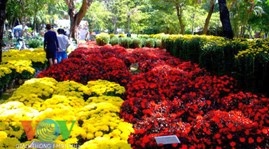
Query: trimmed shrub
point(136, 43)
point(125, 42)
point(102, 39)
point(150, 42)
point(34, 43)
point(114, 40)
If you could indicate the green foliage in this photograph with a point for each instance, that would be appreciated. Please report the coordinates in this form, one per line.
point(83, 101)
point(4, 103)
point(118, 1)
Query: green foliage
point(260, 22)
point(218, 56)
point(213, 53)
point(112, 35)
point(5, 76)
point(122, 35)
point(158, 43)
point(102, 39)
point(245, 13)
point(150, 42)
point(125, 42)
point(252, 65)
point(192, 48)
point(34, 43)
point(146, 36)
point(114, 40)
point(146, 16)
point(99, 17)
point(27, 10)
point(136, 43)
point(187, 47)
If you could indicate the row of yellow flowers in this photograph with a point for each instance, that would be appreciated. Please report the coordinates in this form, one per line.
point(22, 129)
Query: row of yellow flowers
point(20, 64)
point(95, 114)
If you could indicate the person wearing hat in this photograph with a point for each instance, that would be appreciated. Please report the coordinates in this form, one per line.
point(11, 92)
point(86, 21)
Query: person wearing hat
point(51, 45)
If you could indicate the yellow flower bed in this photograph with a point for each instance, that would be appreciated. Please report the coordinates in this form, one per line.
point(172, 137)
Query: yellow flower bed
point(4, 71)
point(104, 87)
point(36, 55)
point(256, 48)
point(42, 88)
point(11, 113)
point(70, 88)
point(20, 64)
point(93, 120)
point(5, 75)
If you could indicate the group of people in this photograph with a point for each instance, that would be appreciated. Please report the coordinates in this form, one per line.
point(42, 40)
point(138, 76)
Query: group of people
point(55, 45)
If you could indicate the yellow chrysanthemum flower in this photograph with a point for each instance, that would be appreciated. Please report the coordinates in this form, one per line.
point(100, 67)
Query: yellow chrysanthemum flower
point(3, 135)
point(105, 143)
point(104, 87)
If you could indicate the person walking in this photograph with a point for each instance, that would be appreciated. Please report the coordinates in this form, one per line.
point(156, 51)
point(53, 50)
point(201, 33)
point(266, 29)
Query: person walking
point(63, 45)
point(51, 45)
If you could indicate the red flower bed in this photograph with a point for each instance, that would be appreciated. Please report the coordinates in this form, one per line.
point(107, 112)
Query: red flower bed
point(89, 64)
point(252, 106)
point(173, 97)
point(197, 93)
point(227, 130)
point(184, 100)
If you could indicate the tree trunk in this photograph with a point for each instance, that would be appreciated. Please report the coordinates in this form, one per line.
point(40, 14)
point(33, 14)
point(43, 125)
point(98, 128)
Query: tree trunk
point(210, 12)
point(225, 20)
point(75, 18)
point(115, 20)
point(2, 23)
point(179, 16)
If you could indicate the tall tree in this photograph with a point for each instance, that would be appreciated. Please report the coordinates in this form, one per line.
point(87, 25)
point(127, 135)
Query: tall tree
point(209, 14)
point(2, 23)
point(166, 7)
point(225, 20)
point(242, 11)
point(259, 23)
point(76, 17)
point(98, 16)
point(179, 5)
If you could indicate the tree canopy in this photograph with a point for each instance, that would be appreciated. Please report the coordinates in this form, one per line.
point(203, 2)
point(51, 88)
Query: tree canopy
point(142, 16)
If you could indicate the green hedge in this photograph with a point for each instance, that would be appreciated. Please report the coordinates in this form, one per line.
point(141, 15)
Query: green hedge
point(218, 56)
point(246, 60)
point(129, 42)
point(253, 66)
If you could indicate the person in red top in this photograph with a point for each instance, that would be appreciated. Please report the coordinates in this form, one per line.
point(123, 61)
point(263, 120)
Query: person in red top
point(51, 45)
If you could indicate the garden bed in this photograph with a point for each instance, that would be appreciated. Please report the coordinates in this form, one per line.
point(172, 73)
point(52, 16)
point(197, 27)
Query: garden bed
point(166, 96)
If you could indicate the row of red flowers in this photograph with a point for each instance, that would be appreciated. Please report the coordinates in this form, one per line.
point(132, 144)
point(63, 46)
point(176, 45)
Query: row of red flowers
point(170, 96)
